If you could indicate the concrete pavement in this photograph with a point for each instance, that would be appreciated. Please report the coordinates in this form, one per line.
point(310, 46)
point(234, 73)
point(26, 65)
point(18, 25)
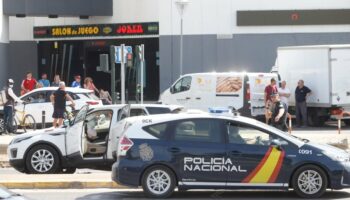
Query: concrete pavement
point(115, 194)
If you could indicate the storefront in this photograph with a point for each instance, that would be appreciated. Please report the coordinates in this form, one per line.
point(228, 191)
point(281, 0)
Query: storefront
point(75, 50)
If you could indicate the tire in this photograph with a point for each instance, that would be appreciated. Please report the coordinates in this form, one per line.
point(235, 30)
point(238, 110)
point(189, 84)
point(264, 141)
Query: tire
point(347, 122)
point(168, 182)
point(49, 166)
point(14, 126)
point(319, 183)
point(314, 119)
point(70, 170)
point(29, 123)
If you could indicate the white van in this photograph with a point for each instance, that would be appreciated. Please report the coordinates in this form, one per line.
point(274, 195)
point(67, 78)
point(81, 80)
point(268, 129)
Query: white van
point(243, 92)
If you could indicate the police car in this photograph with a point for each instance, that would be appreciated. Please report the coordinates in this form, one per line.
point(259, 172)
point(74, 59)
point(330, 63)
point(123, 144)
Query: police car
point(203, 151)
point(87, 141)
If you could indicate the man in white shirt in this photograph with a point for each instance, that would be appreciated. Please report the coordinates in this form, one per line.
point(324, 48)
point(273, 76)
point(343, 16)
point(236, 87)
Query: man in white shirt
point(9, 106)
point(284, 93)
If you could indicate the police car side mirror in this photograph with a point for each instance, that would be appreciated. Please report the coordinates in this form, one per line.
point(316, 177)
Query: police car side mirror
point(171, 90)
point(278, 143)
point(66, 123)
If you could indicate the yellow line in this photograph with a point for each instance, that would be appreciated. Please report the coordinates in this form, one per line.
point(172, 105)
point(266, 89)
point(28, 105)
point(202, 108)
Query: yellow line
point(267, 169)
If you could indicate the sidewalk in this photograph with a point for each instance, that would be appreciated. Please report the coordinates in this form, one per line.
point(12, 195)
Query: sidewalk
point(58, 181)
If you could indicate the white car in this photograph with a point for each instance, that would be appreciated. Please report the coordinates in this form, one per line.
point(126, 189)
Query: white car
point(89, 141)
point(38, 101)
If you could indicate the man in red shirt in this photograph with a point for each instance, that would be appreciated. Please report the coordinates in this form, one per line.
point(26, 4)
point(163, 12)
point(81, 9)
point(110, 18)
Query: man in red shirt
point(28, 84)
point(269, 90)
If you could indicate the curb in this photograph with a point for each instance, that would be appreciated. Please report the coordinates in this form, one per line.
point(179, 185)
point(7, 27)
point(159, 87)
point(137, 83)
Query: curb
point(62, 185)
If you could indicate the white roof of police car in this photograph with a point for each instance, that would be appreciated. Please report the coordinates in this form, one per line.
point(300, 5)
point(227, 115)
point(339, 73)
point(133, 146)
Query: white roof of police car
point(226, 73)
point(171, 107)
point(172, 117)
point(68, 89)
point(111, 107)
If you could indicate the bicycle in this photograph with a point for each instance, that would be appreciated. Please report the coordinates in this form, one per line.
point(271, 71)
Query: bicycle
point(23, 120)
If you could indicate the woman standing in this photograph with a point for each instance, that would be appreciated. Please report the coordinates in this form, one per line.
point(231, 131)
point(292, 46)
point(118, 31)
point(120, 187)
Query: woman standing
point(89, 84)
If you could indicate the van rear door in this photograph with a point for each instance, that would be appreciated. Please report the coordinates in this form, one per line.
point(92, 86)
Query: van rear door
point(340, 66)
point(257, 83)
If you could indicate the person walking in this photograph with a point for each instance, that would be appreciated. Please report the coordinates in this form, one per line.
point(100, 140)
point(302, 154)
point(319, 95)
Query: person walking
point(56, 81)
point(43, 81)
point(269, 90)
point(9, 106)
point(279, 113)
point(284, 93)
point(28, 84)
point(58, 100)
point(76, 83)
point(301, 94)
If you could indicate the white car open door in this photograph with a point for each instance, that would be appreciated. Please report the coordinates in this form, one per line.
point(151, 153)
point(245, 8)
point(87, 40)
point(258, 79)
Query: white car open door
point(74, 132)
point(117, 130)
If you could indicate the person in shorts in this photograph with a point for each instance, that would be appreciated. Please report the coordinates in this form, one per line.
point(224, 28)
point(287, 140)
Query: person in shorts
point(58, 99)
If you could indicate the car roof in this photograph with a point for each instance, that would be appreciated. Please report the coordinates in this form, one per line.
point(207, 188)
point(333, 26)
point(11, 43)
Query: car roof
point(106, 107)
point(68, 89)
point(171, 107)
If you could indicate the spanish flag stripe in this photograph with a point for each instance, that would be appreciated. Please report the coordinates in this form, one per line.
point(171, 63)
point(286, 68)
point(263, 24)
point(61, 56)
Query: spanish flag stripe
point(277, 168)
point(267, 169)
point(261, 164)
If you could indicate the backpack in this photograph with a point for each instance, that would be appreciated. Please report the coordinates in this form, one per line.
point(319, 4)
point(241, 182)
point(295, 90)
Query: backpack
point(3, 97)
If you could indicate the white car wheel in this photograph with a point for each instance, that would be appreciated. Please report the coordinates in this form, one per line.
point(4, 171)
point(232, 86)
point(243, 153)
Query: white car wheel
point(42, 159)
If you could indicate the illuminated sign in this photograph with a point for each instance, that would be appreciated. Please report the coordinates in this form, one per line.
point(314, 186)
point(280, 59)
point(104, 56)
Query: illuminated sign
point(293, 17)
point(96, 30)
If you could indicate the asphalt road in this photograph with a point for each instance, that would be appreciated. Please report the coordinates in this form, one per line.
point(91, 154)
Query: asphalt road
point(110, 194)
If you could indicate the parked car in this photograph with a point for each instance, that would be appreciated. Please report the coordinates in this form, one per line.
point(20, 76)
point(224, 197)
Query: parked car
point(88, 141)
point(203, 151)
point(38, 101)
point(243, 92)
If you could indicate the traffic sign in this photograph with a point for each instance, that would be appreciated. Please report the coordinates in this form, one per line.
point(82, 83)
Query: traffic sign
point(118, 53)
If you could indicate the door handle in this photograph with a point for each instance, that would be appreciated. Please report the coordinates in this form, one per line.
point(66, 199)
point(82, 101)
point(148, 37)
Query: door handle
point(236, 152)
point(174, 150)
point(187, 98)
point(198, 98)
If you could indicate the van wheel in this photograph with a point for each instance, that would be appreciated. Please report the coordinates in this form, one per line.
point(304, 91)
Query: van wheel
point(314, 119)
point(42, 159)
point(158, 182)
point(346, 121)
point(309, 181)
point(2, 124)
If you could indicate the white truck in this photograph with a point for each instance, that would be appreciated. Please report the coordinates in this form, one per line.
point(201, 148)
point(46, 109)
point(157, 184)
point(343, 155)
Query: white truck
point(243, 92)
point(325, 70)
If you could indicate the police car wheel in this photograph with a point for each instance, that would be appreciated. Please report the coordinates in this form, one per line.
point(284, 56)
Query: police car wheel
point(42, 159)
point(158, 182)
point(310, 181)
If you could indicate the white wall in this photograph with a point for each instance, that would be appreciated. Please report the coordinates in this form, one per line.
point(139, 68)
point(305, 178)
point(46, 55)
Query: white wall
point(124, 11)
point(219, 16)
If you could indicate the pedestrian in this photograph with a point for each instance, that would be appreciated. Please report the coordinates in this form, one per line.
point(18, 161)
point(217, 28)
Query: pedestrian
point(28, 84)
point(89, 84)
point(269, 90)
point(56, 81)
point(43, 81)
point(105, 97)
point(279, 113)
point(284, 93)
point(301, 94)
point(76, 83)
point(9, 106)
point(58, 99)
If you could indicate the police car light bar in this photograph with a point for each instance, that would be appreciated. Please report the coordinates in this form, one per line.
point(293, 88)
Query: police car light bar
point(223, 111)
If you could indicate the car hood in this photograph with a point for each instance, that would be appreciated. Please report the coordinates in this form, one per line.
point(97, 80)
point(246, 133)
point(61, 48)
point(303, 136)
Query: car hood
point(41, 131)
point(325, 148)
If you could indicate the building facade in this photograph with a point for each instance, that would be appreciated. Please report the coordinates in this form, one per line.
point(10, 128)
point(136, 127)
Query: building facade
point(225, 35)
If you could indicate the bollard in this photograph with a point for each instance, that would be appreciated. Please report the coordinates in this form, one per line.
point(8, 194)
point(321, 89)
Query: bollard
point(290, 124)
point(339, 125)
point(43, 119)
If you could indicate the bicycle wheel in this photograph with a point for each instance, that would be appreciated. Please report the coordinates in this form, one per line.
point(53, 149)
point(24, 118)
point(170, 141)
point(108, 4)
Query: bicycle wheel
point(29, 123)
point(14, 126)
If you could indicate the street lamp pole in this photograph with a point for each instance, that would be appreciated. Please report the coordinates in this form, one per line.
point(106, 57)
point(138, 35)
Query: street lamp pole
point(181, 4)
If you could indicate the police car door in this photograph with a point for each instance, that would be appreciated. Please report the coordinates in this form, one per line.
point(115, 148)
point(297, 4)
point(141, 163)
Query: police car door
point(74, 132)
point(198, 151)
point(254, 160)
